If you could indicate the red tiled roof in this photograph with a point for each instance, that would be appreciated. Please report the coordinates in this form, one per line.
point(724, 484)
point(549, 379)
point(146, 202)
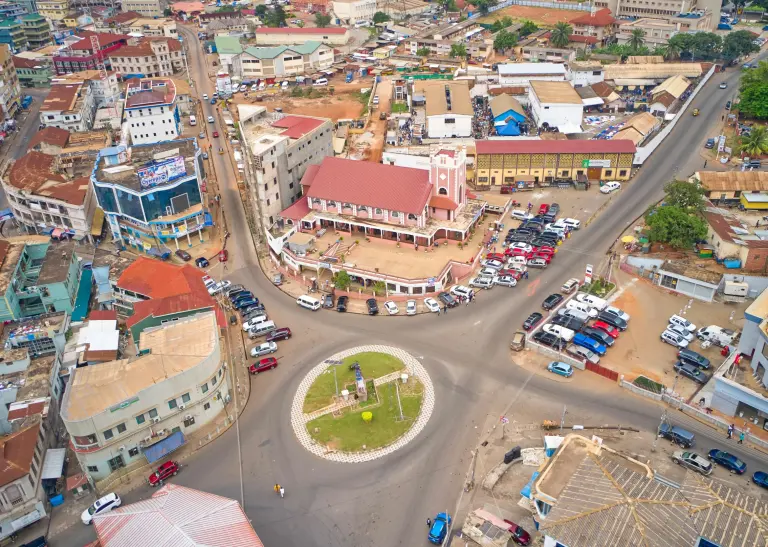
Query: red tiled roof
point(372, 184)
point(19, 411)
point(602, 89)
point(442, 202)
point(33, 172)
point(155, 279)
point(159, 307)
point(124, 17)
point(583, 39)
point(533, 146)
point(50, 135)
point(309, 175)
point(103, 315)
point(105, 39)
point(297, 211)
point(76, 480)
point(16, 452)
point(601, 18)
point(21, 62)
point(297, 126)
point(721, 225)
point(305, 30)
point(144, 48)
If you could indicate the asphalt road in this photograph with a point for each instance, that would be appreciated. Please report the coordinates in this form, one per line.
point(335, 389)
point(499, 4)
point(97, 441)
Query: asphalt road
point(385, 502)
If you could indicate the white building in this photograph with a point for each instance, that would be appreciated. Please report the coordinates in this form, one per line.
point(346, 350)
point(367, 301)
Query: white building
point(266, 62)
point(150, 111)
point(584, 73)
point(556, 104)
point(69, 106)
point(117, 413)
point(266, 36)
point(150, 57)
point(352, 11)
point(448, 109)
point(520, 74)
point(148, 8)
point(104, 91)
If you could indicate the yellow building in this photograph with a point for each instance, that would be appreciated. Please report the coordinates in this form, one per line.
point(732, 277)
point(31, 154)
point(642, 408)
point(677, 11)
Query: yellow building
point(753, 202)
point(533, 160)
point(55, 10)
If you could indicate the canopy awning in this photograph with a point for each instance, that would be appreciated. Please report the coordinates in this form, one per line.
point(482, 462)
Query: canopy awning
point(160, 450)
point(57, 233)
point(53, 465)
point(98, 222)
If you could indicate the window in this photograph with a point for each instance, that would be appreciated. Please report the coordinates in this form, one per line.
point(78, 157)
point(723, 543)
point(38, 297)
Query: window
point(213, 380)
point(443, 191)
point(133, 452)
point(116, 463)
point(450, 120)
point(185, 398)
point(172, 404)
point(564, 173)
point(108, 434)
point(121, 428)
point(93, 469)
point(153, 413)
point(609, 172)
point(206, 406)
point(204, 387)
point(622, 172)
point(378, 211)
point(411, 216)
point(394, 214)
point(189, 421)
point(34, 468)
point(13, 493)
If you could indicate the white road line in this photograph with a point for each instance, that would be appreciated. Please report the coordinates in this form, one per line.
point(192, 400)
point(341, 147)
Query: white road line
point(476, 323)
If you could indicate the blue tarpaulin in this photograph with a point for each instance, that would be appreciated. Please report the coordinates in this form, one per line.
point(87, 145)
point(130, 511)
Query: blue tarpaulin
point(208, 219)
point(83, 296)
point(526, 491)
point(164, 447)
point(509, 130)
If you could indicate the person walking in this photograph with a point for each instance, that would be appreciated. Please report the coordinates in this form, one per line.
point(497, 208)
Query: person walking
point(438, 311)
point(429, 522)
point(741, 438)
point(445, 309)
point(730, 431)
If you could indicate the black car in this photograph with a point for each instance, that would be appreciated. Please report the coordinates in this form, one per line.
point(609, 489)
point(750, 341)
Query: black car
point(255, 308)
point(519, 238)
point(532, 320)
point(341, 303)
point(202, 262)
point(283, 333)
point(568, 322)
point(612, 320)
point(234, 295)
point(728, 105)
point(234, 289)
point(533, 226)
point(544, 242)
point(551, 301)
point(448, 299)
point(242, 296)
point(547, 217)
point(328, 301)
point(554, 209)
point(373, 306)
point(689, 356)
point(599, 335)
point(551, 235)
point(184, 255)
point(549, 339)
point(691, 371)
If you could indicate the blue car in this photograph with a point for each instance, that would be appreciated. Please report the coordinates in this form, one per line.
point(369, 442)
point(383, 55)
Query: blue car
point(563, 369)
point(729, 461)
point(245, 303)
point(213, 101)
point(439, 528)
point(760, 478)
point(589, 343)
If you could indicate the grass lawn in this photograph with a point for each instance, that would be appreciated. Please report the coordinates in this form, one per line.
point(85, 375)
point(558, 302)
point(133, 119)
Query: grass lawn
point(349, 433)
point(372, 364)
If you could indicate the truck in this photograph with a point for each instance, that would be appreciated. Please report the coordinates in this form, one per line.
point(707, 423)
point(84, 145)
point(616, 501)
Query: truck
point(350, 75)
point(26, 101)
point(717, 335)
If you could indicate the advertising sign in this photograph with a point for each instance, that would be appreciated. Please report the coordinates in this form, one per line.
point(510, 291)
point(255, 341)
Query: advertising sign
point(162, 172)
point(588, 274)
point(595, 163)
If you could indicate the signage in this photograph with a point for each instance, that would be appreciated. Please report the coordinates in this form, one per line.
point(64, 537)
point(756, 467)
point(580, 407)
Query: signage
point(595, 163)
point(431, 282)
point(162, 172)
point(721, 143)
point(124, 404)
point(588, 274)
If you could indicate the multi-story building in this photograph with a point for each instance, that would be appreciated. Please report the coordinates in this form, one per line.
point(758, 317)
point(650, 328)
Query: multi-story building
point(521, 74)
point(148, 8)
point(75, 152)
point(280, 148)
point(270, 62)
point(176, 386)
point(702, 14)
point(32, 73)
point(55, 10)
point(150, 58)
point(151, 195)
point(104, 92)
point(593, 27)
point(69, 106)
point(445, 106)
point(13, 10)
point(151, 112)
point(154, 28)
point(37, 30)
point(79, 53)
point(556, 104)
point(353, 11)
point(659, 31)
point(10, 88)
point(336, 36)
point(585, 73)
point(43, 199)
point(12, 34)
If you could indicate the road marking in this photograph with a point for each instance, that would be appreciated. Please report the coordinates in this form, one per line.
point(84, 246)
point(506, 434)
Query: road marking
point(476, 323)
point(533, 286)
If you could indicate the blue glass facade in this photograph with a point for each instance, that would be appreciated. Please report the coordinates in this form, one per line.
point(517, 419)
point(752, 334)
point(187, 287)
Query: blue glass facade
point(157, 203)
point(130, 204)
point(106, 198)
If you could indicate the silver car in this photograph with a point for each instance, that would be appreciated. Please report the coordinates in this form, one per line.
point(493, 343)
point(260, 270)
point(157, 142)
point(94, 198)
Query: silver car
point(692, 461)
point(263, 349)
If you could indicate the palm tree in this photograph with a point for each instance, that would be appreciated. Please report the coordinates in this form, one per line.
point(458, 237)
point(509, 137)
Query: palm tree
point(672, 51)
point(561, 34)
point(637, 39)
point(755, 143)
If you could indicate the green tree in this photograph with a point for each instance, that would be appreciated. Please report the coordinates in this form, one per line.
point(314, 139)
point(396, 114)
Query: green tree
point(706, 45)
point(458, 50)
point(679, 45)
point(379, 287)
point(341, 280)
point(483, 6)
point(637, 39)
point(322, 20)
point(500, 24)
point(423, 52)
point(260, 11)
point(380, 17)
point(561, 34)
point(675, 226)
point(684, 195)
point(529, 27)
point(738, 44)
point(754, 92)
point(275, 18)
point(755, 143)
point(671, 50)
point(225, 8)
point(504, 40)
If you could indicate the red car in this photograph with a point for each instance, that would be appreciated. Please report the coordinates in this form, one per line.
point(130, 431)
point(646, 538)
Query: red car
point(544, 256)
point(283, 333)
point(495, 256)
point(223, 255)
point(519, 536)
point(544, 249)
point(543, 209)
point(215, 133)
point(613, 332)
point(268, 363)
point(168, 469)
point(512, 273)
point(507, 189)
point(521, 252)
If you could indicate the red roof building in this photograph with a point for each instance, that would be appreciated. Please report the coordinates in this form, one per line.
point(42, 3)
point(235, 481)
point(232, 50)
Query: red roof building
point(81, 55)
point(267, 36)
point(592, 28)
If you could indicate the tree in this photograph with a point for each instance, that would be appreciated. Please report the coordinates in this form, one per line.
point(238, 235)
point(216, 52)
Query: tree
point(754, 92)
point(504, 40)
point(423, 52)
point(500, 24)
point(755, 143)
point(379, 287)
point(458, 50)
point(706, 45)
point(342, 280)
point(225, 8)
point(681, 44)
point(675, 226)
point(380, 17)
point(529, 27)
point(260, 11)
point(275, 18)
point(738, 44)
point(684, 195)
point(322, 20)
point(484, 6)
point(561, 34)
point(637, 39)
point(671, 50)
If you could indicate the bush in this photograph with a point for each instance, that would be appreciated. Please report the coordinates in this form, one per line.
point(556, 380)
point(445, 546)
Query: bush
point(648, 384)
point(599, 287)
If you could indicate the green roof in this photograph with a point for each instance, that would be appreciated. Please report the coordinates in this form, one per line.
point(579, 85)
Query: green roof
point(33, 17)
point(228, 45)
point(272, 52)
point(9, 23)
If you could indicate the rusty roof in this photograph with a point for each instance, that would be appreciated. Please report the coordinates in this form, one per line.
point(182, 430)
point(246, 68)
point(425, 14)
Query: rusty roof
point(733, 181)
point(16, 452)
point(34, 173)
point(50, 135)
point(62, 97)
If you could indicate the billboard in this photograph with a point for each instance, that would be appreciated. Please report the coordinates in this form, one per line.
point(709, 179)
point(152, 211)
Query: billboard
point(162, 172)
point(224, 84)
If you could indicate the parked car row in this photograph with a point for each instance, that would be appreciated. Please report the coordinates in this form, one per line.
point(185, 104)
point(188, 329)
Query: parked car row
point(680, 333)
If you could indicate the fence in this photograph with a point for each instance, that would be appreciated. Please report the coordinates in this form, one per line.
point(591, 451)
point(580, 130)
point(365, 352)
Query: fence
point(586, 6)
point(559, 355)
point(602, 371)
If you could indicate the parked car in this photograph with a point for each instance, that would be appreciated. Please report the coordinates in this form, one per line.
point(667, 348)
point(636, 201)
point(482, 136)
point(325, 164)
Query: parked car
point(590, 343)
point(611, 331)
point(612, 320)
point(328, 301)
point(549, 340)
point(391, 307)
point(254, 322)
point(439, 529)
point(268, 363)
point(578, 306)
point(100, 506)
point(519, 536)
point(283, 333)
point(341, 303)
point(609, 187)
point(677, 435)
point(202, 262)
point(233, 289)
point(563, 369)
point(520, 247)
point(166, 470)
point(432, 305)
point(682, 322)
point(505, 281)
point(277, 279)
point(692, 461)
point(495, 264)
point(373, 306)
point(252, 311)
point(710, 144)
point(674, 339)
point(219, 287)
point(680, 331)
point(760, 478)
point(551, 301)
point(410, 307)
point(691, 371)
point(496, 256)
point(184, 255)
point(448, 299)
point(689, 356)
point(727, 460)
point(592, 301)
point(532, 320)
point(263, 349)
point(519, 214)
point(580, 352)
point(559, 331)
point(242, 304)
point(538, 263)
point(599, 335)
point(554, 209)
point(572, 223)
point(571, 323)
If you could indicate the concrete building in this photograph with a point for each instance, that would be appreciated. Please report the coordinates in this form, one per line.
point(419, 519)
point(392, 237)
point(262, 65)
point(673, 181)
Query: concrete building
point(594, 27)
point(105, 92)
point(148, 8)
point(521, 74)
point(732, 239)
point(151, 113)
point(69, 106)
point(354, 11)
point(270, 62)
point(150, 58)
point(726, 187)
point(54, 10)
point(333, 36)
point(117, 413)
point(281, 149)
point(37, 30)
point(230, 51)
point(556, 104)
point(152, 196)
point(657, 31)
point(32, 73)
point(447, 107)
point(12, 35)
point(14, 10)
point(704, 14)
point(79, 53)
point(585, 73)
point(10, 88)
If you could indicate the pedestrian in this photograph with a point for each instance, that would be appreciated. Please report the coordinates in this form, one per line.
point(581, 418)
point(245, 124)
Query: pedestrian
point(471, 296)
point(730, 431)
point(445, 309)
point(429, 522)
point(705, 164)
point(758, 223)
point(526, 274)
point(741, 438)
point(466, 301)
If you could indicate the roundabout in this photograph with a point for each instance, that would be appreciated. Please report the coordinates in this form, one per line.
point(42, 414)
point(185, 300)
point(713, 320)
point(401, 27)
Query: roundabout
point(362, 403)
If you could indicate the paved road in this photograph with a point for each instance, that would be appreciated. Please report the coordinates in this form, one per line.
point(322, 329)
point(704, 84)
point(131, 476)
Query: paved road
point(385, 502)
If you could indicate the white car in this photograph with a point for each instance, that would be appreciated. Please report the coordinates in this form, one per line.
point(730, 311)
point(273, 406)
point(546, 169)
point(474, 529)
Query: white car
point(519, 214)
point(461, 290)
point(520, 246)
point(522, 268)
point(572, 223)
point(609, 187)
point(263, 349)
point(578, 306)
point(391, 307)
point(481, 282)
point(495, 264)
point(432, 305)
point(410, 307)
point(205, 96)
point(681, 331)
point(254, 322)
point(723, 86)
point(674, 339)
point(100, 506)
point(559, 331)
point(505, 281)
point(210, 119)
point(591, 301)
point(219, 287)
point(613, 310)
point(243, 88)
point(487, 272)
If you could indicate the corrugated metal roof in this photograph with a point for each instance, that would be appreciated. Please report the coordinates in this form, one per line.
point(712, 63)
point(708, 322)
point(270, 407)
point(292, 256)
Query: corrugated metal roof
point(730, 181)
point(537, 146)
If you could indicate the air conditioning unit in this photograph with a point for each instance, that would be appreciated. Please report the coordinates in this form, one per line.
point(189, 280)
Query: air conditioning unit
point(188, 417)
point(161, 433)
point(182, 407)
point(147, 440)
point(156, 420)
point(121, 449)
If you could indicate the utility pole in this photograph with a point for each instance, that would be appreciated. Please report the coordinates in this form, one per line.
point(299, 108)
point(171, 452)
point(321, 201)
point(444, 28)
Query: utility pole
point(562, 419)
